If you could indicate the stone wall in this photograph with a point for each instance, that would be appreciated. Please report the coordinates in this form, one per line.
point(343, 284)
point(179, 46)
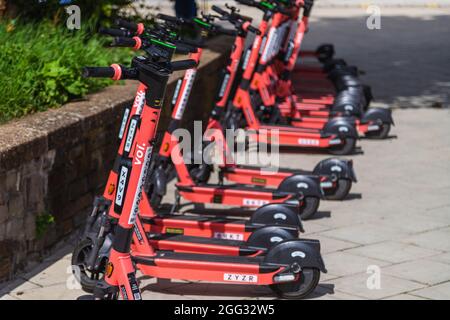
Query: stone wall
point(53, 163)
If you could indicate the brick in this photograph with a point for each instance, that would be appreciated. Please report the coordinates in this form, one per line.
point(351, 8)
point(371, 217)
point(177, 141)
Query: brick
point(4, 213)
point(16, 205)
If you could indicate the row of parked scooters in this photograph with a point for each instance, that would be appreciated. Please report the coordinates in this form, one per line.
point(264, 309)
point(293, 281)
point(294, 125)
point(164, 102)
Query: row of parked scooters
point(264, 91)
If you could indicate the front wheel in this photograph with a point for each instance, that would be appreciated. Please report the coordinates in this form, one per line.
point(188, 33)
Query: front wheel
point(304, 286)
point(344, 149)
point(382, 133)
point(87, 278)
point(309, 207)
point(340, 192)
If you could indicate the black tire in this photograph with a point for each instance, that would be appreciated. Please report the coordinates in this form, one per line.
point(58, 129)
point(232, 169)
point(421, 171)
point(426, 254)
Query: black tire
point(344, 149)
point(309, 207)
point(341, 191)
point(87, 279)
point(304, 286)
point(383, 133)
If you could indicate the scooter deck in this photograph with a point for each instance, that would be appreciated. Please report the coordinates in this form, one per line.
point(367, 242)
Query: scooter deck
point(182, 243)
point(169, 256)
point(206, 226)
point(278, 170)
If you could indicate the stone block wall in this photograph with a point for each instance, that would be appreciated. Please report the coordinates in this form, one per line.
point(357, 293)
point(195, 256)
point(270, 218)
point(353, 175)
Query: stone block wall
point(53, 163)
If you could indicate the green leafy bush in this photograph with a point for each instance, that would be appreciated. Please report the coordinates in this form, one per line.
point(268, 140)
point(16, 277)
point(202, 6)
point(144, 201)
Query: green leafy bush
point(40, 66)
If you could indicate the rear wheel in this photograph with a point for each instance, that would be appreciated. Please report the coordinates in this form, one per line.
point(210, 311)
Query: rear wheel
point(88, 279)
point(304, 286)
point(340, 192)
point(344, 149)
point(382, 133)
point(309, 207)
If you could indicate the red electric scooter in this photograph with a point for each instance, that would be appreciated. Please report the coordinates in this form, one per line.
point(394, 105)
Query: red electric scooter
point(292, 268)
point(172, 232)
point(374, 123)
point(338, 136)
point(336, 175)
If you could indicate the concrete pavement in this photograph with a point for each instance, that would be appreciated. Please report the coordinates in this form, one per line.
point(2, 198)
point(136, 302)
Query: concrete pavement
point(397, 219)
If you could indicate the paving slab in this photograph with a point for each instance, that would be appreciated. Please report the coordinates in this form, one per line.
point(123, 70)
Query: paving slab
point(343, 263)
point(364, 233)
point(394, 252)
point(437, 292)
point(390, 286)
point(421, 270)
point(437, 240)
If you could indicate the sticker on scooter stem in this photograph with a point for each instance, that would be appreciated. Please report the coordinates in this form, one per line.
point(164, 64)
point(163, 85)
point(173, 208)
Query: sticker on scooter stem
point(176, 92)
point(124, 123)
point(121, 186)
point(134, 286)
point(130, 135)
point(139, 102)
point(143, 156)
point(224, 85)
point(235, 277)
point(254, 202)
point(189, 77)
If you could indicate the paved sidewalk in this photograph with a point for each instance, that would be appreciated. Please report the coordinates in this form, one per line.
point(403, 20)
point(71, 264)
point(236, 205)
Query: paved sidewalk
point(397, 218)
point(398, 215)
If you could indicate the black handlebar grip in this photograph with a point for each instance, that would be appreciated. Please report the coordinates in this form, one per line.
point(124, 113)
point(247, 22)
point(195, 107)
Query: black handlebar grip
point(219, 10)
point(183, 48)
point(183, 64)
point(247, 2)
point(113, 32)
point(167, 18)
point(124, 42)
point(127, 25)
point(253, 30)
point(228, 32)
point(98, 72)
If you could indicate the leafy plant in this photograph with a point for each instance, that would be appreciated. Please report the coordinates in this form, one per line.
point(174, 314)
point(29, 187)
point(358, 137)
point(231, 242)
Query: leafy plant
point(43, 222)
point(40, 66)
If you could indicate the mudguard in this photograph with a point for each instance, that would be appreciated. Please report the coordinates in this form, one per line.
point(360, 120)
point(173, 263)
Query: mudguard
point(308, 185)
point(342, 127)
point(339, 168)
point(348, 105)
point(374, 114)
point(305, 252)
point(346, 81)
point(268, 237)
point(278, 214)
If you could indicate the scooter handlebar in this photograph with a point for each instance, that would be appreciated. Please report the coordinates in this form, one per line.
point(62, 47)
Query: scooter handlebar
point(253, 30)
point(168, 18)
point(98, 72)
point(134, 42)
point(115, 72)
point(113, 32)
point(219, 10)
point(183, 64)
point(127, 25)
point(136, 28)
